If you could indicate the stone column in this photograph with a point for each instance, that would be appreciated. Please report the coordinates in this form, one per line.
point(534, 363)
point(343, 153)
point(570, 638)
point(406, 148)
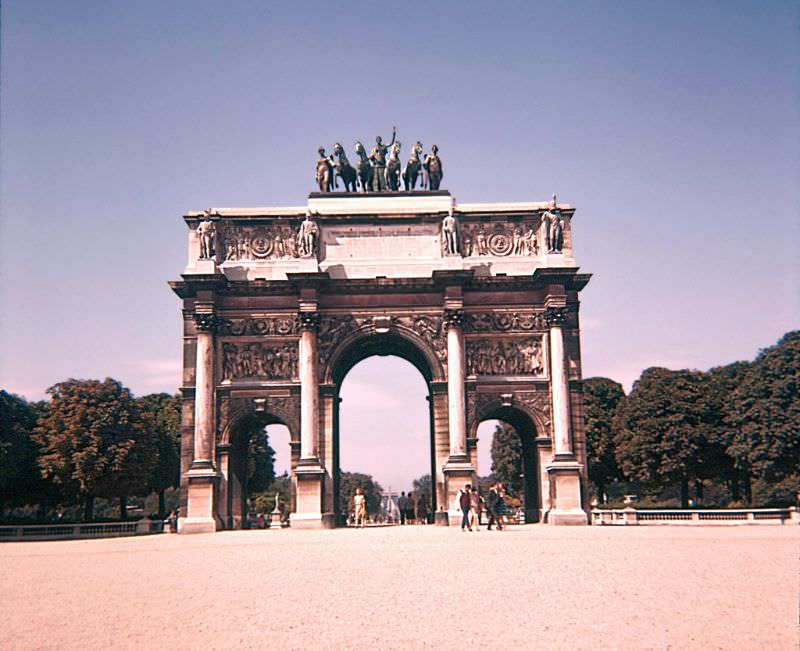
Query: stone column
point(202, 477)
point(456, 394)
point(564, 471)
point(309, 387)
point(309, 474)
point(205, 323)
point(559, 378)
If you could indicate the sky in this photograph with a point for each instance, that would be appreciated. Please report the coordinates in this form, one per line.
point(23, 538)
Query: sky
point(672, 127)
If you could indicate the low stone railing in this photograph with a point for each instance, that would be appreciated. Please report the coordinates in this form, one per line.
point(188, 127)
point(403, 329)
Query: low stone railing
point(81, 530)
point(631, 516)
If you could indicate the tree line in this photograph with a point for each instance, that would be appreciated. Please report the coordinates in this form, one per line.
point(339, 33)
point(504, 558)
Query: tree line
point(92, 439)
point(734, 430)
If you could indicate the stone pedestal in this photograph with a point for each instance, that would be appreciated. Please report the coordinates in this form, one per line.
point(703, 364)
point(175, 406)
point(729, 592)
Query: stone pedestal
point(310, 478)
point(457, 472)
point(199, 516)
point(565, 492)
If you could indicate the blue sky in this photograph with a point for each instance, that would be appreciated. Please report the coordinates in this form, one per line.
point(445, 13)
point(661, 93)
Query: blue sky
point(671, 126)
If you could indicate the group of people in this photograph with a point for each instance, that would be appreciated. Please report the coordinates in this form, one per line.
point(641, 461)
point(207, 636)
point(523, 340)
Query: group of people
point(414, 509)
point(472, 506)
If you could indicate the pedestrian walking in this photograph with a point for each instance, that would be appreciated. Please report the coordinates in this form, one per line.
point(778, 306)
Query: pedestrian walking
point(491, 507)
point(402, 505)
point(474, 505)
point(360, 506)
point(464, 502)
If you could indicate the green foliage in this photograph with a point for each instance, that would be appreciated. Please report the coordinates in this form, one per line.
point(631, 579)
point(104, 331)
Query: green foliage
point(764, 414)
point(19, 473)
point(93, 441)
point(659, 431)
point(260, 463)
point(349, 481)
point(601, 396)
point(507, 464)
point(161, 414)
point(422, 486)
point(264, 501)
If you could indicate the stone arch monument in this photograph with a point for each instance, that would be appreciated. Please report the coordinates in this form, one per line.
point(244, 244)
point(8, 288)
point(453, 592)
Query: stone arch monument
point(280, 303)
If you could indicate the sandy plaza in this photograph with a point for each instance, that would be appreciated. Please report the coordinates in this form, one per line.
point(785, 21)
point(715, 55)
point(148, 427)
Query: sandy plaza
point(530, 587)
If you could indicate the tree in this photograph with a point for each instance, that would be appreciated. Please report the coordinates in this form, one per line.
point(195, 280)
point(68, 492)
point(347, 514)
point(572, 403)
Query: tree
point(422, 486)
point(507, 458)
point(716, 462)
point(764, 415)
point(94, 442)
point(601, 396)
point(161, 413)
point(349, 481)
point(260, 463)
point(19, 473)
point(659, 432)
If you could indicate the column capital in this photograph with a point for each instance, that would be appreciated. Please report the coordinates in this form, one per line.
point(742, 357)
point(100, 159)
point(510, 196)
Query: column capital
point(453, 317)
point(308, 320)
point(555, 316)
point(205, 321)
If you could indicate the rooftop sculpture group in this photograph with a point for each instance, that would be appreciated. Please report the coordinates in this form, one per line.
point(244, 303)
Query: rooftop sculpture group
point(376, 172)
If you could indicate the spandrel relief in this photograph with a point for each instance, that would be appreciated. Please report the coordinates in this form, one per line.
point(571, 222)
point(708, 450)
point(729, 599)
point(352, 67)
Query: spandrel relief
point(259, 360)
point(505, 357)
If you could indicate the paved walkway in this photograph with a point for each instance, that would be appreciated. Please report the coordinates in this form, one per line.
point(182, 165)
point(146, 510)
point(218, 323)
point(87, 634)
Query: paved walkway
point(533, 587)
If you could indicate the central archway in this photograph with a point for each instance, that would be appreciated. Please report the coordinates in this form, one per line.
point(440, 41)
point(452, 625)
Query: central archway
point(404, 345)
point(384, 433)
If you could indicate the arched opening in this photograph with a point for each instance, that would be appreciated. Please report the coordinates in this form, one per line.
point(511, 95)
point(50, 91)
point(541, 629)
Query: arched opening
point(256, 464)
point(383, 427)
point(508, 450)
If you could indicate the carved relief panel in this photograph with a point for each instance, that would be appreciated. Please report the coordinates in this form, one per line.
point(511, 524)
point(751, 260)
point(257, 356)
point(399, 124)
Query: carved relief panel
point(270, 361)
point(281, 325)
point(507, 356)
point(250, 243)
point(503, 239)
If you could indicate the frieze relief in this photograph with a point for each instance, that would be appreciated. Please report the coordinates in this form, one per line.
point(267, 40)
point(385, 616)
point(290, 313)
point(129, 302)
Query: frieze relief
point(259, 360)
point(505, 357)
point(280, 326)
point(500, 240)
point(504, 321)
point(252, 243)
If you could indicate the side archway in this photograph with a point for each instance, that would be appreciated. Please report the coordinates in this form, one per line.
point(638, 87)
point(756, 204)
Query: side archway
point(527, 424)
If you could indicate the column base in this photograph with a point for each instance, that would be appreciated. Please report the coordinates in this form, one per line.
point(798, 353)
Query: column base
point(558, 517)
point(309, 481)
point(457, 471)
point(305, 520)
point(565, 492)
point(441, 519)
point(197, 525)
point(201, 499)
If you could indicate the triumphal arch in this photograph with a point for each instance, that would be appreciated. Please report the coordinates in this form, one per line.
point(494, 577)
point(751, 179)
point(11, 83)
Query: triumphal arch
point(279, 303)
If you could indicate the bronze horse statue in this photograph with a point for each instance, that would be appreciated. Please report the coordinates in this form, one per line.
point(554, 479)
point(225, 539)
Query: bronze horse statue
point(364, 168)
point(393, 168)
point(344, 170)
point(413, 167)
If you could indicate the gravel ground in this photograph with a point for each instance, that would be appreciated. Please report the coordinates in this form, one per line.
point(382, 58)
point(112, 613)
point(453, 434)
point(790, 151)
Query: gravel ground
point(534, 587)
